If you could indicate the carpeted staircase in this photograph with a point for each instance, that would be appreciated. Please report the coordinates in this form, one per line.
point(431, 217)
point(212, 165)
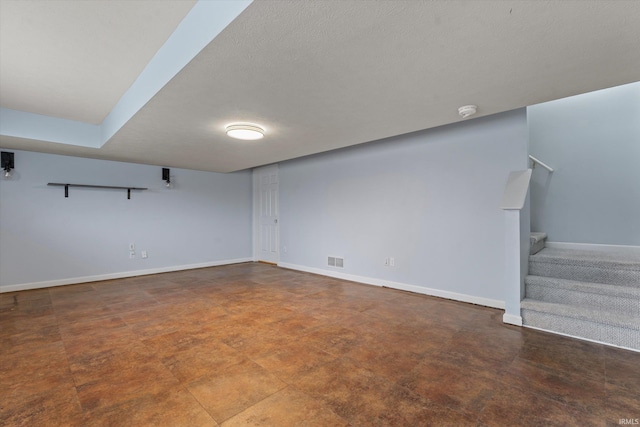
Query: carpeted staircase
point(537, 241)
point(586, 294)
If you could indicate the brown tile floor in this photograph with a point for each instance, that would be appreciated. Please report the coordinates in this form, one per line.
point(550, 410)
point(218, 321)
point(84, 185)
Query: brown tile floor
point(252, 344)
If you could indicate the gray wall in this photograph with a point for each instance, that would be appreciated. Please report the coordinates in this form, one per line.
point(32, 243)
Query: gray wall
point(593, 143)
point(429, 199)
point(45, 237)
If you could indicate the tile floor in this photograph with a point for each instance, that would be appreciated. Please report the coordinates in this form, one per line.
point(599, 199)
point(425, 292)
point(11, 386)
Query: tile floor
point(256, 345)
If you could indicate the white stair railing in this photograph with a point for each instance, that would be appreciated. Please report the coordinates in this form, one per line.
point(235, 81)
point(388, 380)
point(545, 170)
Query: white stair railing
point(538, 162)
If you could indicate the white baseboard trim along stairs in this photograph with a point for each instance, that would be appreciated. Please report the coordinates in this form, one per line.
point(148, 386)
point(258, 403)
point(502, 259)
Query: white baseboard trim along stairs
point(592, 294)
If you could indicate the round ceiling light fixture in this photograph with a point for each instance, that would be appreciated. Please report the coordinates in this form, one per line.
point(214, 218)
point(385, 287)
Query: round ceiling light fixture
point(467, 110)
point(246, 131)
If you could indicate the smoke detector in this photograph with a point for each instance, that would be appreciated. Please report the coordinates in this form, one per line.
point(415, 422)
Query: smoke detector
point(467, 111)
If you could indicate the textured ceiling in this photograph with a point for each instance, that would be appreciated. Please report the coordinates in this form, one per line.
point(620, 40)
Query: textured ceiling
point(74, 59)
point(324, 75)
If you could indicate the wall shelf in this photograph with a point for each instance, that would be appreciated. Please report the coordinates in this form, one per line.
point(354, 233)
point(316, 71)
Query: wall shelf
point(66, 187)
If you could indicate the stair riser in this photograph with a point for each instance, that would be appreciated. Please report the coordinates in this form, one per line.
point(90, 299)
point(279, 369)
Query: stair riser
point(619, 336)
point(615, 304)
point(537, 246)
point(585, 273)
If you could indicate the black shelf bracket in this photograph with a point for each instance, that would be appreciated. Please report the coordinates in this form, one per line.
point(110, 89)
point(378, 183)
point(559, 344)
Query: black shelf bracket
point(66, 187)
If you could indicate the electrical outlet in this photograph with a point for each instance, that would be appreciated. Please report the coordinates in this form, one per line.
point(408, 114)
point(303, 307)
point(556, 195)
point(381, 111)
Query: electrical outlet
point(144, 254)
point(132, 246)
point(392, 262)
point(132, 254)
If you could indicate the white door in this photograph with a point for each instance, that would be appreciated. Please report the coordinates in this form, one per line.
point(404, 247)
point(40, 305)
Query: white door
point(266, 198)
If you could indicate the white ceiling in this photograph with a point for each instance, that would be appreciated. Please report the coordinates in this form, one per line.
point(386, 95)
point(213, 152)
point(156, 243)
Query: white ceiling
point(74, 59)
point(318, 75)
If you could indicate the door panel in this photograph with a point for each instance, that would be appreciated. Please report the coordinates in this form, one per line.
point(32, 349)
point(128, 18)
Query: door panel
point(268, 215)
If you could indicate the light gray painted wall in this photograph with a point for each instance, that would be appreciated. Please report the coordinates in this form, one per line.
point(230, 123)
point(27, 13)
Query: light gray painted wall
point(593, 143)
point(429, 199)
point(206, 217)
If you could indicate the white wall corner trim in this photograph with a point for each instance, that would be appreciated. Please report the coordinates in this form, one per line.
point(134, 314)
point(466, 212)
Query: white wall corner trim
point(511, 319)
point(397, 285)
point(122, 275)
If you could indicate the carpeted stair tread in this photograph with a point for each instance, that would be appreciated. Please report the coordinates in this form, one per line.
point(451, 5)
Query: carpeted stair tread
point(587, 266)
point(616, 298)
point(587, 314)
point(626, 261)
point(537, 242)
point(589, 294)
point(537, 236)
point(600, 326)
point(588, 287)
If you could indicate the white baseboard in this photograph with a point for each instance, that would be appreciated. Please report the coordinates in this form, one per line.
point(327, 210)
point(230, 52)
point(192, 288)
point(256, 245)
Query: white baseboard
point(626, 249)
point(121, 275)
point(512, 319)
point(581, 338)
point(397, 285)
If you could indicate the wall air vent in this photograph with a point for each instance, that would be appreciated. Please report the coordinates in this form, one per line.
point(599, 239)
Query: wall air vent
point(335, 262)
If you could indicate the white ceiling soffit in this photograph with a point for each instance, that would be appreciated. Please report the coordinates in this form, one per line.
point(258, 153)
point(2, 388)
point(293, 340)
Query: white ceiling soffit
point(74, 59)
point(324, 75)
point(203, 22)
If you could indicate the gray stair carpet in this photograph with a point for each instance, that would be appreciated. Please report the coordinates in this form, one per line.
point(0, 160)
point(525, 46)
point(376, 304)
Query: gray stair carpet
point(614, 298)
point(586, 294)
point(598, 325)
point(587, 266)
point(537, 241)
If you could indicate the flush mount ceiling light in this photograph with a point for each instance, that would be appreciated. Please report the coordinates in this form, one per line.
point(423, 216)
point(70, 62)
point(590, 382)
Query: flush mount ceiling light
point(467, 110)
point(246, 131)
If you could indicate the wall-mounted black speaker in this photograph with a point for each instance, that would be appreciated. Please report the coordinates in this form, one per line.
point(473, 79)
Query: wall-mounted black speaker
point(166, 175)
point(6, 160)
